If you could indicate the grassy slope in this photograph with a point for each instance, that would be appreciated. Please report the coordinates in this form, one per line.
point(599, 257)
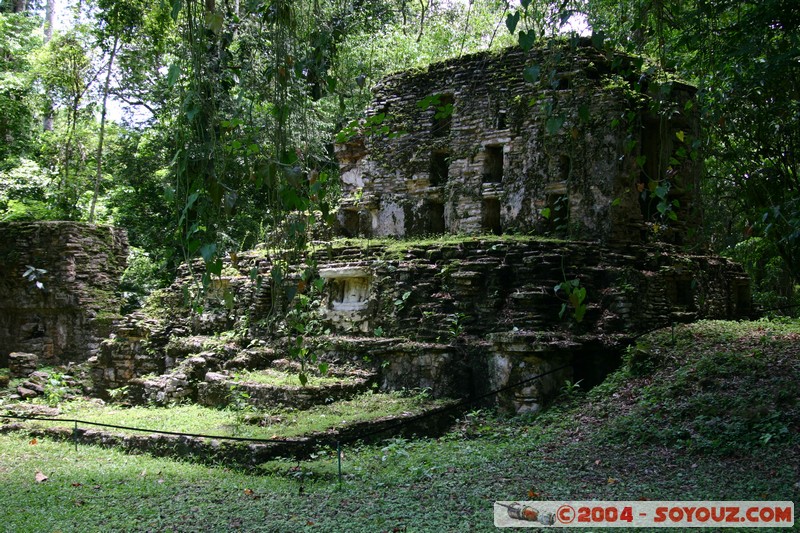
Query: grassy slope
point(716, 416)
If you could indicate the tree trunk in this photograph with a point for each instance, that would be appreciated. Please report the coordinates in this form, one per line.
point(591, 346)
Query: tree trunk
point(101, 135)
point(20, 6)
point(424, 5)
point(49, 19)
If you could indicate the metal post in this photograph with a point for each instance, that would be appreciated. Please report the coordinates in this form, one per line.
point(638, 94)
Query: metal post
point(673, 333)
point(75, 435)
point(339, 459)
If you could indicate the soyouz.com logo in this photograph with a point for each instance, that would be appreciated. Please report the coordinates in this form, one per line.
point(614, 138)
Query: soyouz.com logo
point(595, 514)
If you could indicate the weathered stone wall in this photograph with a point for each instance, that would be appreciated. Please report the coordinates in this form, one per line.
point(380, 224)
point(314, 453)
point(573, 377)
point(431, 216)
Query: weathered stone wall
point(66, 318)
point(460, 318)
point(572, 154)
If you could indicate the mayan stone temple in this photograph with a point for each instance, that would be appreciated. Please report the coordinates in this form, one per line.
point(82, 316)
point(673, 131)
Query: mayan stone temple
point(536, 214)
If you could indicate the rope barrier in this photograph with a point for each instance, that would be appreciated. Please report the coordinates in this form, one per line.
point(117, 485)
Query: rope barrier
point(156, 431)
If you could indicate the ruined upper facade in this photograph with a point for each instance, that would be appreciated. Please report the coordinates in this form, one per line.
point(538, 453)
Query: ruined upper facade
point(563, 141)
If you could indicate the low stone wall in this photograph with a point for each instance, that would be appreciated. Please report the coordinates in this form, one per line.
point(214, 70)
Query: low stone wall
point(66, 305)
point(432, 422)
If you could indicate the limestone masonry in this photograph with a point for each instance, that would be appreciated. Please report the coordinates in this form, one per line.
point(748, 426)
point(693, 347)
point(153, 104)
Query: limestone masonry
point(65, 317)
point(557, 141)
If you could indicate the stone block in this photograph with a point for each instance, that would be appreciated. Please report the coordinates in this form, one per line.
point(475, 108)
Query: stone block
point(22, 364)
point(26, 394)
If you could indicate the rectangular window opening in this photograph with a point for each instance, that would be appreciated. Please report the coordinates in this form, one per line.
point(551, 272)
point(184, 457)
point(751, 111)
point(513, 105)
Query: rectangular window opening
point(491, 216)
point(564, 166)
point(684, 293)
point(351, 223)
point(502, 120)
point(743, 299)
point(650, 171)
point(436, 218)
point(493, 164)
point(440, 168)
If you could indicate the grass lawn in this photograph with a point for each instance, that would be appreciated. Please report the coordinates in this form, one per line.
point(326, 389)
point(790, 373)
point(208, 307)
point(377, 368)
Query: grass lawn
point(280, 378)
point(196, 419)
point(713, 416)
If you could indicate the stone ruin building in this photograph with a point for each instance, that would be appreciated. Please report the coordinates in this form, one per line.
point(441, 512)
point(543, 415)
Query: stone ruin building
point(572, 148)
point(469, 147)
point(63, 310)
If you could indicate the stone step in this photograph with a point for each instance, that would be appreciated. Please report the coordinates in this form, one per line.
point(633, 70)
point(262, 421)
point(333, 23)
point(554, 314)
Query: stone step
point(273, 388)
point(181, 347)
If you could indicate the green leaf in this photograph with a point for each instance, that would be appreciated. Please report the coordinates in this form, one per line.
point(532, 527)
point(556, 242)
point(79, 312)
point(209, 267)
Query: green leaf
point(442, 112)
point(291, 292)
point(525, 3)
point(579, 313)
point(176, 9)
point(173, 74)
point(527, 39)
point(207, 251)
point(277, 274)
point(303, 378)
point(428, 101)
point(531, 74)
point(581, 292)
point(323, 368)
point(554, 124)
point(680, 135)
point(213, 21)
point(546, 214)
point(215, 267)
point(511, 22)
point(192, 246)
point(583, 113)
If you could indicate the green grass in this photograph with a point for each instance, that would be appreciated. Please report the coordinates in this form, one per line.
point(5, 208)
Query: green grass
point(279, 378)
point(401, 245)
point(636, 436)
point(196, 419)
